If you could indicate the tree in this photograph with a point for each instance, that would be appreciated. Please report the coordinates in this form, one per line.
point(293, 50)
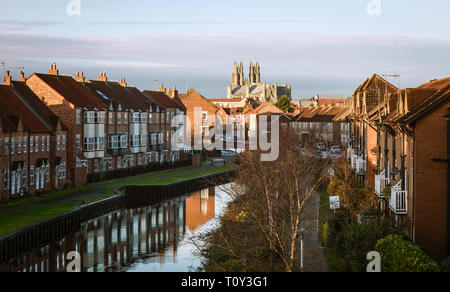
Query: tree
point(275, 198)
point(284, 104)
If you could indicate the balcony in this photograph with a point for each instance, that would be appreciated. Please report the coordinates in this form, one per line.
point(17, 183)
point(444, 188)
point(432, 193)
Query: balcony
point(350, 152)
point(353, 160)
point(381, 182)
point(360, 166)
point(399, 200)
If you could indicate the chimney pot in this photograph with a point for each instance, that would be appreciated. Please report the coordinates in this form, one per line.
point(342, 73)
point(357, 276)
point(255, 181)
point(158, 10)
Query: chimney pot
point(7, 79)
point(22, 77)
point(103, 77)
point(80, 77)
point(53, 70)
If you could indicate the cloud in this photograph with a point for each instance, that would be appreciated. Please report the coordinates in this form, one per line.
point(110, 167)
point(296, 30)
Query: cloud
point(326, 60)
point(24, 25)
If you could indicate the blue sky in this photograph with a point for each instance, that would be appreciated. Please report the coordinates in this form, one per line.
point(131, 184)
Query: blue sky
point(322, 46)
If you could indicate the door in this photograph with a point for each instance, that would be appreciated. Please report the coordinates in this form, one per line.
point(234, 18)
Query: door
point(37, 179)
point(13, 183)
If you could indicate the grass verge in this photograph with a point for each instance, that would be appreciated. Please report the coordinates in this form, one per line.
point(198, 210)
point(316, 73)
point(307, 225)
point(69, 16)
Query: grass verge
point(28, 215)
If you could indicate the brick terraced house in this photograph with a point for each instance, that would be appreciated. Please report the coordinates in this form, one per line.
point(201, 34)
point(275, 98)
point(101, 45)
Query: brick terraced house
point(406, 138)
point(33, 143)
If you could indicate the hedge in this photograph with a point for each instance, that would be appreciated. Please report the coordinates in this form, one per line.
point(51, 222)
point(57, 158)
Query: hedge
point(398, 255)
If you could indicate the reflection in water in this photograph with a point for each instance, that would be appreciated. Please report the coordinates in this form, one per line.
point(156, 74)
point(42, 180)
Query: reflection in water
point(152, 238)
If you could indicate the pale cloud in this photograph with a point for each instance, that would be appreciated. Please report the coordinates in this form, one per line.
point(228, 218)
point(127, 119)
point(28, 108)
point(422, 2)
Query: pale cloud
point(292, 57)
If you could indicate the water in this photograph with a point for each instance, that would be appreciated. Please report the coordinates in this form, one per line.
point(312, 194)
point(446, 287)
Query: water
point(150, 239)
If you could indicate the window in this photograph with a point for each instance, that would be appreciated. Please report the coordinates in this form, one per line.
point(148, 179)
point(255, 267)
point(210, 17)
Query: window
point(136, 117)
point(25, 145)
point(113, 142)
point(48, 143)
point(95, 164)
point(58, 143)
point(78, 142)
point(78, 116)
point(64, 142)
point(43, 144)
point(143, 118)
point(99, 143)
point(143, 140)
point(119, 118)
point(111, 118)
point(204, 116)
point(31, 176)
point(110, 164)
point(31, 144)
point(36, 148)
point(123, 141)
point(161, 138)
point(89, 143)
point(135, 140)
point(119, 162)
point(12, 146)
point(154, 139)
point(125, 117)
point(19, 146)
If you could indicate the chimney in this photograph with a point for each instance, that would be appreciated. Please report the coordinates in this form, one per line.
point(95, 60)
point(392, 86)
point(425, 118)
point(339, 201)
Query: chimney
point(22, 77)
point(53, 70)
point(103, 77)
point(7, 79)
point(123, 82)
point(162, 89)
point(80, 77)
point(174, 92)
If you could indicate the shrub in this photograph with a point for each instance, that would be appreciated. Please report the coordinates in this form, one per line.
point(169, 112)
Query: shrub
point(445, 266)
point(361, 239)
point(398, 255)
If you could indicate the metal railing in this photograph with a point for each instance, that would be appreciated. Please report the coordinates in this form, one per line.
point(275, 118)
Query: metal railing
point(399, 200)
point(381, 182)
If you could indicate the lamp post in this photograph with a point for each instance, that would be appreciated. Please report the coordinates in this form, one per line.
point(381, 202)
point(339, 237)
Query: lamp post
point(300, 234)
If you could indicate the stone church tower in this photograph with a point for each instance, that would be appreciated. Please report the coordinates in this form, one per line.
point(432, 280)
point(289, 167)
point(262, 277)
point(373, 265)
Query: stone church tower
point(255, 73)
point(241, 88)
point(238, 74)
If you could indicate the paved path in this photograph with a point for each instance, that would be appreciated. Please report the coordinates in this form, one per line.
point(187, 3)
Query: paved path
point(314, 257)
point(100, 189)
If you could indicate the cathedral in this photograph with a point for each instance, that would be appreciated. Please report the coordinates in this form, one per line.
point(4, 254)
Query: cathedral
point(242, 88)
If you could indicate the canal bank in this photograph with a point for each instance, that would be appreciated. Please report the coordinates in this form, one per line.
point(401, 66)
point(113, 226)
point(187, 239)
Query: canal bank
point(21, 241)
point(22, 214)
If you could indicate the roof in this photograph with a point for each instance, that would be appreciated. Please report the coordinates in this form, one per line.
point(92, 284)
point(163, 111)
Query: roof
point(193, 93)
point(163, 100)
point(72, 91)
point(426, 105)
point(112, 92)
point(437, 84)
point(324, 114)
point(37, 104)
point(7, 124)
point(267, 108)
point(18, 107)
point(225, 99)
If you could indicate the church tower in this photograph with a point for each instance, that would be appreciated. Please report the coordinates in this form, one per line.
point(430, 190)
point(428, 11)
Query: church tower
point(238, 74)
point(255, 75)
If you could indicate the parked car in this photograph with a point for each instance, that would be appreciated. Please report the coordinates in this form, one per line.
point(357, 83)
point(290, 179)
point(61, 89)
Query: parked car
point(321, 147)
point(335, 150)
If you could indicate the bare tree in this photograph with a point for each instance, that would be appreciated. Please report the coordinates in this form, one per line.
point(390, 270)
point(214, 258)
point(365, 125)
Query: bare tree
point(274, 197)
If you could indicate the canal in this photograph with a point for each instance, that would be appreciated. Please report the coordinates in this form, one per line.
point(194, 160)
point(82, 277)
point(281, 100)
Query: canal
point(157, 238)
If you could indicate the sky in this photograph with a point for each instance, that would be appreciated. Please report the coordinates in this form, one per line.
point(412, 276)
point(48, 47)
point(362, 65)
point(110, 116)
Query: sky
point(319, 47)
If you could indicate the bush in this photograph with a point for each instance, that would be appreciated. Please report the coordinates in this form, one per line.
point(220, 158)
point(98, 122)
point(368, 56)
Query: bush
point(398, 255)
point(360, 239)
point(445, 266)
